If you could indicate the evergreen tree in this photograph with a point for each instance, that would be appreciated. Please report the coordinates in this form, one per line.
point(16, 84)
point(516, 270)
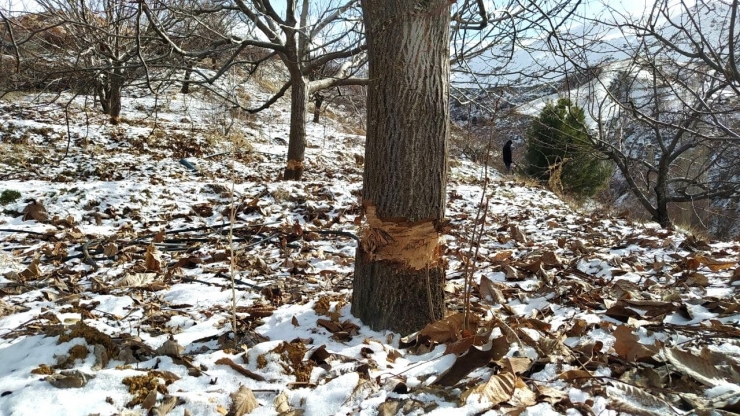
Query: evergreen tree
point(558, 143)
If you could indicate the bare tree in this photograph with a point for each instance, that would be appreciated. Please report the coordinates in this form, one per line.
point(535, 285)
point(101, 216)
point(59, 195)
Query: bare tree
point(667, 114)
point(497, 62)
point(305, 37)
point(398, 272)
point(97, 46)
point(30, 42)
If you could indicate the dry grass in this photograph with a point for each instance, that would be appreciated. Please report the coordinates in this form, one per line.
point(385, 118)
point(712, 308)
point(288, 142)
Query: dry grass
point(269, 85)
point(13, 96)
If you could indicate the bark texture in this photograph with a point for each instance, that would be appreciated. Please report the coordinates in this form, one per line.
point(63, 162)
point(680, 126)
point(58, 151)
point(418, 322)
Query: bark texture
point(297, 140)
point(397, 298)
point(318, 99)
point(115, 98)
point(405, 163)
point(186, 82)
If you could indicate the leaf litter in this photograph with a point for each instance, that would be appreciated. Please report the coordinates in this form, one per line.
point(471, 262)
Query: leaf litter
point(115, 281)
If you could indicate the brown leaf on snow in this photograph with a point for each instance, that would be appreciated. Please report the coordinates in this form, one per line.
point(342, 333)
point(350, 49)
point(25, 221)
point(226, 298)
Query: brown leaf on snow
point(517, 365)
point(189, 262)
point(694, 366)
point(242, 402)
point(150, 400)
point(697, 279)
point(152, 260)
point(135, 280)
point(549, 394)
point(498, 389)
point(68, 222)
point(550, 258)
point(501, 256)
point(735, 276)
point(517, 234)
point(579, 328)
point(281, 402)
point(393, 355)
point(332, 327)
point(203, 210)
point(168, 403)
point(72, 379)
point(624, 289)
point(581, 375)
point(692, 243)
point(523, 396)
point(635, 308)
point(35, 211)
point(491, 290)
point(110, 250)
point(159, 237)
point(239, 369)
point(715, 265)
point(462, 346)
point(170, 348)
point(475, 358)
point(535, 324)
point(635, 401)
point(32, 272)
point(533, 266)
point(628, 347)
point(320, 355)
point(448, 329)
point(511, 273)
point(292, 354)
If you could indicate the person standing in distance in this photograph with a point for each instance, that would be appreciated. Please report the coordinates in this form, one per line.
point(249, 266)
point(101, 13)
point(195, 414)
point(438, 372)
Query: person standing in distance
point(507, 156)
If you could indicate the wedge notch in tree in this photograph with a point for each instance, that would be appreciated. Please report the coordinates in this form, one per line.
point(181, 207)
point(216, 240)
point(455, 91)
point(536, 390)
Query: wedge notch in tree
point(399, 272)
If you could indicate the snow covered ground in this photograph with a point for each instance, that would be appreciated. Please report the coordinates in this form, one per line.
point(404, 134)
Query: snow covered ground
point(116, 283)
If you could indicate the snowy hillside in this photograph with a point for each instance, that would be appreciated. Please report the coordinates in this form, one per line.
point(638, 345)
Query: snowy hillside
point(118, 258)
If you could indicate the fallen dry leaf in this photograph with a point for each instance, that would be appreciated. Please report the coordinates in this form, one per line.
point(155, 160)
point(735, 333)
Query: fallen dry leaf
point(168, 403)
point(135, 280)
point(152, 260)
point(242, 402)
point(694, 366)
point(496, 390)
point(35, 211)
point(32, 272)
point(281, 403)
point(715, 265)
point(72, 379)
point(635, 401)
point(239, 369)
point(448, 329)
point(628, 347)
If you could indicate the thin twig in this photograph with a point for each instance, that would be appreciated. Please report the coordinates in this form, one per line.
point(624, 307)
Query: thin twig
point(232, 219)
point(480, 216)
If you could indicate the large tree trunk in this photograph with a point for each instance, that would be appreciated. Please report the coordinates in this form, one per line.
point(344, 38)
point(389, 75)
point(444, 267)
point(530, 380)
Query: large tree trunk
point(399, 275)
point(103, 93)
point(661, 206)
point(660, 215)
point(116, 87)
point(318, 99)
point(297, 140)
point(186, 82)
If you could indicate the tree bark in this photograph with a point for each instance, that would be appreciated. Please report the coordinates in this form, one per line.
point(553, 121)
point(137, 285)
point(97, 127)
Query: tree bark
point(318, 99)
point(661, 202)
point(116, 87)
point(399, 274)
point(297, 140)
point(186, 82)
point(103, 94)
